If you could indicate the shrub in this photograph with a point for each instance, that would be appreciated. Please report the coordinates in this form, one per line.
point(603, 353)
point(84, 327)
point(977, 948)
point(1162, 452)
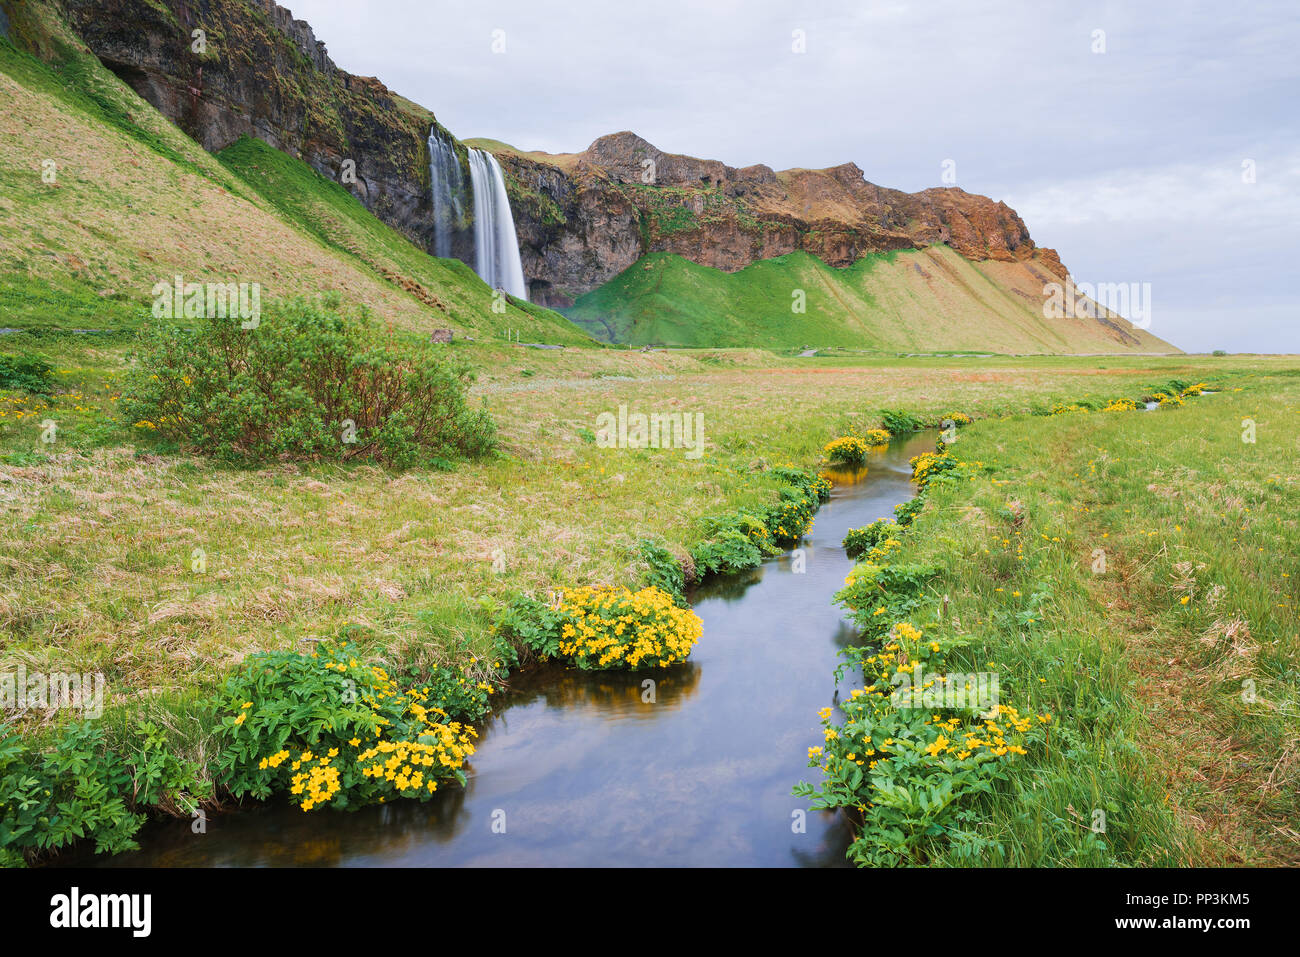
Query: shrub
point(26, 371)
point(606, 628)
point(858, 540)
point(329, 729)
point(310, 381)
point(789, 519)
point(928, 465)
point(897, 422)
point(665, 571)
point(904, 512)
point(79, 788)
point(742, 540)
point(909, 755)
point(75, 790)
point(734, 543)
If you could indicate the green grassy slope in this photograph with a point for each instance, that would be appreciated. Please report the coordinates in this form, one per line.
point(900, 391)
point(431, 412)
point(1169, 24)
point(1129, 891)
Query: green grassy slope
point(928, 300)
point(136, 201)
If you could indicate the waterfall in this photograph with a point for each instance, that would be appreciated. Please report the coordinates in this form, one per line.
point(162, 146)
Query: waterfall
point(496, 247)
point(448, 187)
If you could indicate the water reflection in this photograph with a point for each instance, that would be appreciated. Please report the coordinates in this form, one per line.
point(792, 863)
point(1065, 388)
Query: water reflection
point(585, 769)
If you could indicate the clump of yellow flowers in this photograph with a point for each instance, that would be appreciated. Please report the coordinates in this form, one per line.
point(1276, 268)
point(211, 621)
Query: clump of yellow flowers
point(915, 741)
point(1120, 405)
point(329, 729)
point(605, 627)
point(848, 449)
point(928, 464)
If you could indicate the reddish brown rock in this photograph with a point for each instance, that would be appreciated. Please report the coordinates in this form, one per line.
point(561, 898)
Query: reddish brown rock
point(583, 218)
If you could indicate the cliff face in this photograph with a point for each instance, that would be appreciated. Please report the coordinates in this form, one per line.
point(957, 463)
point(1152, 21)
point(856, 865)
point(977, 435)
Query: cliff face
point(262, 73)
point(583, 218)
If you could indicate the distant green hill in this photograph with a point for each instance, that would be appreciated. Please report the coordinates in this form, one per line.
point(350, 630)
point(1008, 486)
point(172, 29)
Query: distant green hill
point(930, 300)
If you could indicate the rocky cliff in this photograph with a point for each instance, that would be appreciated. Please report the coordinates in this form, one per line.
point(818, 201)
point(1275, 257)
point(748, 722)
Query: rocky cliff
point(585, 217)
point(581, 218)
point(256, 70)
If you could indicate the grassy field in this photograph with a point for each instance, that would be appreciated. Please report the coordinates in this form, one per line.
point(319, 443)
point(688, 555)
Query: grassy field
point(98, 532)
point(873, 304)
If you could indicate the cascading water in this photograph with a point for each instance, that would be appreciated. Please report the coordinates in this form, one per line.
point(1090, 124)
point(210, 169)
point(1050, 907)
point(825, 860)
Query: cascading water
point(448, 187)
point(496, 247)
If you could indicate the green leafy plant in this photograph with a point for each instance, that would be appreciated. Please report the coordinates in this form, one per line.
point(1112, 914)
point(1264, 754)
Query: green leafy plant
point(859, 540)
point(733, 543)
point(26, 371)
point(311, 380)
point(899, 422)
point(79, 788)
point(328, 728)
point(665, 571)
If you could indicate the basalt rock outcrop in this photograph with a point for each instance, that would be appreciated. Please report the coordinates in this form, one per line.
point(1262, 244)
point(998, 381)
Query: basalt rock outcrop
point(583, 218)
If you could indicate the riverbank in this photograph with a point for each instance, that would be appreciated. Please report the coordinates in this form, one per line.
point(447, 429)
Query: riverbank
point(99, 535)
point(1131, 575)
point(685, 766)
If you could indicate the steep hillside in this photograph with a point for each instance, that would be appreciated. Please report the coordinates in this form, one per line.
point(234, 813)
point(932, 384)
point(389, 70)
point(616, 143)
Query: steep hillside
point(262, 73)
point(930, 300)
point(133, 201)
point(335, 217)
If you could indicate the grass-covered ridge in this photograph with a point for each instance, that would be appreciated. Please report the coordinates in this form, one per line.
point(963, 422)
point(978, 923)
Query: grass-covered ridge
point(930, 300)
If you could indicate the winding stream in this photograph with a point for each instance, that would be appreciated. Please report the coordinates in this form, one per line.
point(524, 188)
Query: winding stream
point(586, 773)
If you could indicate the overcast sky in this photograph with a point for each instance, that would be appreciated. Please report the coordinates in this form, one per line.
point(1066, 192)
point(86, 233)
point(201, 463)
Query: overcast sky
point(1129, 161)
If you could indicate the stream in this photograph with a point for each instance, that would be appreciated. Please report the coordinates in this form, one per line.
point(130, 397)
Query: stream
point(577, 769)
